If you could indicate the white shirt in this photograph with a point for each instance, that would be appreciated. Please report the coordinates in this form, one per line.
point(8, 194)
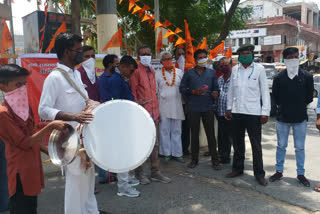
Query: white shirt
point(248, 91)
point(170, 101)
point(58, 95)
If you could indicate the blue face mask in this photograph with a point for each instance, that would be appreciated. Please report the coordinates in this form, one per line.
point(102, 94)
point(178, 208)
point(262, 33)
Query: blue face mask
point(246, 59)
point(79, 58)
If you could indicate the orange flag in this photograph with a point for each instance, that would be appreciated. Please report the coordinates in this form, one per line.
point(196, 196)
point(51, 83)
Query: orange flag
point(62, 3)
point(136, 9)
point(115, 41)
point(145, 8)
point(169, 33)
point(167, 23)
point(171, 38)
point(6, 40)
point(178, 30)
point(204, 44)
point(61, 29)
point(217, 50)
point(180, 41)
point(229, 51)
point(190, 63)
point(146, 17)
point(198, 47)
point(131, 5)
point(159, 41)
point(120, 1)
point(158, 24)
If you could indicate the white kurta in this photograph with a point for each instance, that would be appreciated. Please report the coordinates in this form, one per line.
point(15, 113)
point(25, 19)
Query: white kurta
point(171, 113)
point(58, 95)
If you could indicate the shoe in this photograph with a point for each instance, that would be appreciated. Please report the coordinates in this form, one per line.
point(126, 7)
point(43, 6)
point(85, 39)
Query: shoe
point(158, 177)
point(103, 212)
point(262, 181)
point(143, 179)
point(134, 182)
point(303, 180)
point(130, 192)
point(96, 190)
point(276, 177)
point(234, 174)
point(193, 164)
point(217, 166)
point(179, 159)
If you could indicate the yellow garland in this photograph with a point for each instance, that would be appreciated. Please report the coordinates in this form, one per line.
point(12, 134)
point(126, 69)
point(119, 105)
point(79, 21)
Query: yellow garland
point(173, 79)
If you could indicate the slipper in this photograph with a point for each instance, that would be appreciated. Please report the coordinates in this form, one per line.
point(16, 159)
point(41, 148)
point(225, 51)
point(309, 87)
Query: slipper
point(317, 188)
point(179, 159)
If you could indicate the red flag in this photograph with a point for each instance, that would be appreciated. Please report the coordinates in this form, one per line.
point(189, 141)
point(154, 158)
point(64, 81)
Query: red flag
point(190, 63)
point(62, 3)
point(159, 41)
point(129, 52)
point(229, 51)
point(145, 8)
point(6, 40)
point(61, 29)
point(204, 44)
point(171, 38)
point(167, 23)
point(115, 41)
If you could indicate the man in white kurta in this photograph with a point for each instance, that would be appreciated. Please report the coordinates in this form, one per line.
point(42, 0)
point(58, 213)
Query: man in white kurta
point(60, 100)
point(170, 108)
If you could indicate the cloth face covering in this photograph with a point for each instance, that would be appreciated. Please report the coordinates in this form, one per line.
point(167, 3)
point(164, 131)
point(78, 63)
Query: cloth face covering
point(292, 67)
point(89, 67)
point(181, 62)
point(203, 62)
point(246, 59)
point(18, 101)
point(145, 60)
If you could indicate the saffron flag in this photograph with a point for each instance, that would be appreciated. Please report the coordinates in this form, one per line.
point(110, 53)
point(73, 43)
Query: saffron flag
point(217, 50)
point(159, 41)
point(61, 29)
point(145, 8)
point(190, 63)
point(180, 41)
point(6, 40)
point(169, 33)
point(171, 38)
point(178, 30)
point(62, 3)
point(131, 5)
point(229, 51)
point(158, 24)
point(167, 23)
point(136, 9)
point(146, 17)
point(115, 41)
point(120, 1)
point(204, 44)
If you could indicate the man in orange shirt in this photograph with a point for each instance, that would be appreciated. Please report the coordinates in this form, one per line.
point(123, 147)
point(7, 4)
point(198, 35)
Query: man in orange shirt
point(144, 89)
point(25, 173)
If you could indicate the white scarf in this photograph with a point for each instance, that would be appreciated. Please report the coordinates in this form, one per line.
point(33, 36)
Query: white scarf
point(292, 67)
point(89, 67)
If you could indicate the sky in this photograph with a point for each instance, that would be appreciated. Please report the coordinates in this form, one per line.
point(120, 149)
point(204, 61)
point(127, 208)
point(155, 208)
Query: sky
point(21, 8)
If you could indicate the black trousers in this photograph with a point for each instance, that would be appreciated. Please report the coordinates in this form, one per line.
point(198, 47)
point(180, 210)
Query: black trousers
point(185, 135)
point(251, 123)
point(22, 204)
point(225, 135)
point(208, 123)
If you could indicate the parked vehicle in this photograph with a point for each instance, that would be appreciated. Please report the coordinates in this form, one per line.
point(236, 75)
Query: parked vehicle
point(271, 71)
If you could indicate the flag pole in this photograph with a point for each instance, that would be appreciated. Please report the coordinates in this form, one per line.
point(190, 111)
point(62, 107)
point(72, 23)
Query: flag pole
point(156, 19)
point(12, 31)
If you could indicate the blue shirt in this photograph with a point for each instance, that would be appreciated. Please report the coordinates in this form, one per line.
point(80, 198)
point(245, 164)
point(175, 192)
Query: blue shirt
point(114, 87)
point(222, 101)
point(192, 80)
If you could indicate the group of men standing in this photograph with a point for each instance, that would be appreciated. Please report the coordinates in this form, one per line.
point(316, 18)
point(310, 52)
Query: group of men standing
point(177, 101)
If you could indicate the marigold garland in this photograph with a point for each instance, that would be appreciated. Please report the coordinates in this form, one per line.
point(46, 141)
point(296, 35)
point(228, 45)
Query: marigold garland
point(173, 79)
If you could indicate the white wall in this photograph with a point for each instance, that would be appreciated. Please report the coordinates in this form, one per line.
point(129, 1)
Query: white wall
point(263, 8)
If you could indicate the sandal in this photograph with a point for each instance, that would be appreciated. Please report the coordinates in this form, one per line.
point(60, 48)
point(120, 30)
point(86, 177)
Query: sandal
point(317, 188)
point(179, 159)
point(166, 158)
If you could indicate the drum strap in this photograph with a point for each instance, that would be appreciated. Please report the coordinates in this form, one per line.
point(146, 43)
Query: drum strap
point(72, 83)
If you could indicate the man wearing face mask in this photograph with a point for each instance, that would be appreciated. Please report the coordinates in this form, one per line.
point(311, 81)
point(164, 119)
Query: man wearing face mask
point(170, 109)
point(144, 89)
point(249, 103)
point(224, 126)
point(200, 86)
point(293, 91)
point(60, 100)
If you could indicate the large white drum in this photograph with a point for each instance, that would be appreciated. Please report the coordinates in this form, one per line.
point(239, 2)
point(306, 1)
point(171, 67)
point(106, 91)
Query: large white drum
point(120, 137)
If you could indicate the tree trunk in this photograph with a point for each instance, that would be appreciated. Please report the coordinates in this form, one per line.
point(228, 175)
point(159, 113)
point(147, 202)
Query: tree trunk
point(75, 17)
point(225, 26)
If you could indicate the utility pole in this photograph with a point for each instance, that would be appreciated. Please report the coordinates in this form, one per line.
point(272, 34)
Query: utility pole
point(156, 18)
point(11, 29)
point(107, 24)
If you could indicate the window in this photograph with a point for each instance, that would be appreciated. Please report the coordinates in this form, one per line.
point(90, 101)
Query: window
point(234, 42)
point(240, 42)
point(256, 40)
point(248, 41)
point(278, 11)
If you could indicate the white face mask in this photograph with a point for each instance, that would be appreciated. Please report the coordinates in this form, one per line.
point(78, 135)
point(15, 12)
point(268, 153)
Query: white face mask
point(181, 62)
point(89, 67)
point(145, 60)
point(203, 62)
point(117, 70)
point(292, 67)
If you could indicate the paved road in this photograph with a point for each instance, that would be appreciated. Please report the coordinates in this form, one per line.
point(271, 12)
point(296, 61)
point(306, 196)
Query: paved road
point(203, 190)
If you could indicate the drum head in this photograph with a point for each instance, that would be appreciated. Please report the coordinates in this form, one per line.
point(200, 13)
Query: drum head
point(63, 146)
point(120, 137)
